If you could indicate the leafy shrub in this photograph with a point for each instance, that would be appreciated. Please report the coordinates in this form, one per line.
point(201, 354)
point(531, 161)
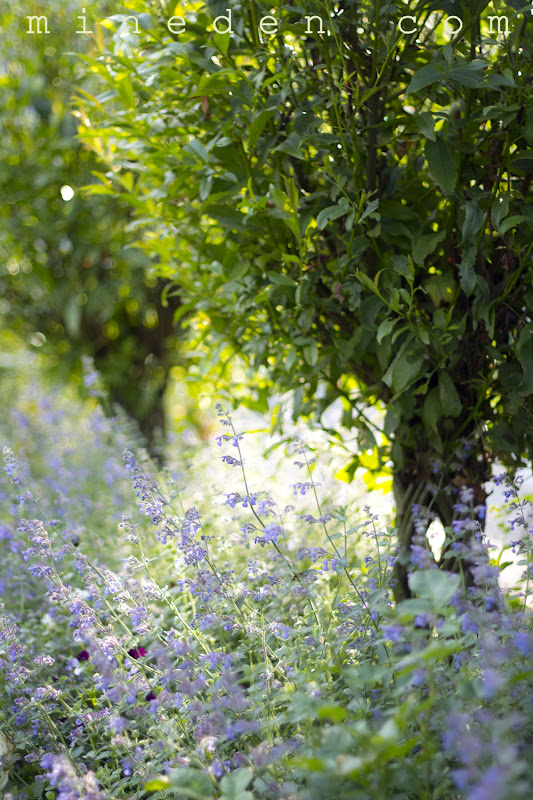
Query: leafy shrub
point(256, 656)
point(349, 211)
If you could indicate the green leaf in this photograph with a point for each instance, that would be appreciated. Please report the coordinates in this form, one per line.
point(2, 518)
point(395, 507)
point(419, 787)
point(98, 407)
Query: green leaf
point(425, 76)
point(523, 160)
point(234, 784)
point(466, 269)
point(347, 473)
point(310, 352)
point(331, 712)
point(154, 785)
point(468, 74)
point(432, 410)
point(365, 438)
point(426, 125)
point(442, 164)
point(403, 266)
point(449, 398)
point(221, 41)
point(205, 187)
point(524, 353)
point(313, 764)
point(425, 246)
point(496, 81)
point(125, 90)
point(435, 651)
point(329, 214)
point(291, 146)
point(280, 199)
point(392, 420)
point(192, 783)
point(483, 306)
point(435, 585)
point(97, 188)
point(368, 282)
point(474, 219)
point(510, 222)
point(280, 279)
point(195, 146)
point(217, 83)
point(72, 316)
point(369, 210)
point(145, 21)
point(440, 288)
point(499, 210)
point(226, 216)
point(528, 125)
point(292, 224)
point(405, 367)
point(412, 607)
point(384, 329)
point(256, 128)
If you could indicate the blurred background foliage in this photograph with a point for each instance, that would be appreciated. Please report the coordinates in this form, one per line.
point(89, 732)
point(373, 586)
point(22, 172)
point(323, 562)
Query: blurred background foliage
point(71, 455)
point(72, 282)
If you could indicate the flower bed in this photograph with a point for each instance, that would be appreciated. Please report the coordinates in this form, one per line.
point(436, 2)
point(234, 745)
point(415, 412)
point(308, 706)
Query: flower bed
point(243, 650)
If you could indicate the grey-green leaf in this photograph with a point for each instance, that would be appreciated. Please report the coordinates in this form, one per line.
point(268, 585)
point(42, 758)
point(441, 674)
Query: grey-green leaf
point(435, 585)
point(192, 783)
point(234, 784)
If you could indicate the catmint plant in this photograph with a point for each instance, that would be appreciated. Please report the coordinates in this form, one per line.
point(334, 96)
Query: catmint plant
point(242, 648)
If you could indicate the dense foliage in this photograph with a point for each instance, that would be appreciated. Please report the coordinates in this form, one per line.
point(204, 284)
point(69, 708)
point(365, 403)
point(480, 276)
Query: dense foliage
point(349, 210)
point(71, 282)
point(240, 650)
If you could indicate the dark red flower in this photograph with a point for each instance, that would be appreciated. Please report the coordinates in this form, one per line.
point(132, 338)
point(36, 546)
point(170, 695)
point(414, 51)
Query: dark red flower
point(137, 652)
point(83, 655)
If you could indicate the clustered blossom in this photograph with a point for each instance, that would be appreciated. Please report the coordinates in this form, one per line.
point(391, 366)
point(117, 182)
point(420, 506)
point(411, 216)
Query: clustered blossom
point(421, 555)
point(228, 437)
point(233, 462)
point(61, 773)
point(146, 489)
point(236, 498)
point(487, 766)
point(270, 533)
point(92, 380)
point(302, 487)
point(138, 615)
point(13, 468)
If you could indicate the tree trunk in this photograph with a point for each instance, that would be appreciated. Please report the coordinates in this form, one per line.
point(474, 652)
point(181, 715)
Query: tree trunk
point(153, 427)
point(407, 493)
point(138, 383)
point(410, 491)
